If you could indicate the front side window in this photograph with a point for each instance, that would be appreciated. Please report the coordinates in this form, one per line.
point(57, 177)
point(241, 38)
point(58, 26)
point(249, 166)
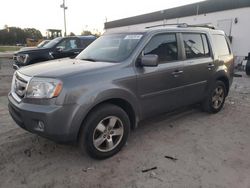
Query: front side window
point(111, 48)
point(68, 44)
point(163, 45)
point(221, 45)
point(196, 45)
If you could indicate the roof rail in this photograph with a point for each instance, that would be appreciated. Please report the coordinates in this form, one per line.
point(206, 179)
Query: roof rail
point(183, 25)
point(209, 26)
point(177, 24)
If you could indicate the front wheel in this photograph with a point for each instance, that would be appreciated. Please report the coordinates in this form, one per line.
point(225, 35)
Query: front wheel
point(216, 98)
point(105, 131)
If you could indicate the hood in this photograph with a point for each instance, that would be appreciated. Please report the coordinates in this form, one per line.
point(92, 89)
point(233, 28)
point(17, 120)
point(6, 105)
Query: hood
point(27, 48)
point(63, 68)
point(30, 50)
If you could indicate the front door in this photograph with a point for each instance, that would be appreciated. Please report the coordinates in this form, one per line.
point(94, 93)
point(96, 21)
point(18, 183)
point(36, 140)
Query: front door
point(68, 47)
point(160, 88)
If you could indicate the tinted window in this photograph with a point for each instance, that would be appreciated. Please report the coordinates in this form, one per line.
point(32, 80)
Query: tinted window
point(165, 46)
point(196, 45)
point(86, 42)
point(221, 45)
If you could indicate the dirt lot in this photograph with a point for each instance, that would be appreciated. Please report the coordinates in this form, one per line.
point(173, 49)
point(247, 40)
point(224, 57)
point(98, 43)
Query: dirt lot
point(212, 151)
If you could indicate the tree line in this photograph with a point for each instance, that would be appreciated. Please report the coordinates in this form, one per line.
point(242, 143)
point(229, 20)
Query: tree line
point(16, 35)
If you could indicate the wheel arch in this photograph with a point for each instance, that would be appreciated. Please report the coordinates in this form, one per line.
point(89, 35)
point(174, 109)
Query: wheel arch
point(225, 80)
point(126, 105)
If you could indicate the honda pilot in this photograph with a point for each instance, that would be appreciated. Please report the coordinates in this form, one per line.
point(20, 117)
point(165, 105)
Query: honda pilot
point(97, 98)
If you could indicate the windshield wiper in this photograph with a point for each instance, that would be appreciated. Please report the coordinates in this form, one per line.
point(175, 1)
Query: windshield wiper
point(89, 59)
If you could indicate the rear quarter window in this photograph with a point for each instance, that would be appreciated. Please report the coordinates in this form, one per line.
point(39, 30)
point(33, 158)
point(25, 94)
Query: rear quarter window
point(221, 45)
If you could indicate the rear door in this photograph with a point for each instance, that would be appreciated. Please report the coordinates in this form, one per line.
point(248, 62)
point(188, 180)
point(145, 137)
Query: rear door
point(159, 88)
point(198, 66)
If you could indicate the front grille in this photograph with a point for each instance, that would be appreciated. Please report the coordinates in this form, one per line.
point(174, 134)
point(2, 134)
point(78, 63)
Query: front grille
point(20, 83)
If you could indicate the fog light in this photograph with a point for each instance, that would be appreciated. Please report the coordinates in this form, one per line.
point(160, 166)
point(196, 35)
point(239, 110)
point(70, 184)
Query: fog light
point(40, 126)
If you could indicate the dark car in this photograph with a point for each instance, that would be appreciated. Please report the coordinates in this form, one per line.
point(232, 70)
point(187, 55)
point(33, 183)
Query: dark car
point(248, 65)
point(40, 45)
point(60, 47)
point(119, 80)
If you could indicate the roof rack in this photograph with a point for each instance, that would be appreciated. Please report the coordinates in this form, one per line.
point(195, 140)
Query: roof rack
point(177, 24)
point(209, 26)
point(183, 25)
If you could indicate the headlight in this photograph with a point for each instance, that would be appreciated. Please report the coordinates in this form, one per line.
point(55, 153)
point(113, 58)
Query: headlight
point(22, 58)
point(43, 88)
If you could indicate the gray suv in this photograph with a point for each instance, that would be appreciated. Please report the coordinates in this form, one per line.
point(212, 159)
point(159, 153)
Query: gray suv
point(119, 80)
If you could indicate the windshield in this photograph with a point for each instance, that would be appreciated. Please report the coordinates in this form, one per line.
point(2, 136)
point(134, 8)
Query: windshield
point(52, 43)
point(111, 48)
point(42, 44)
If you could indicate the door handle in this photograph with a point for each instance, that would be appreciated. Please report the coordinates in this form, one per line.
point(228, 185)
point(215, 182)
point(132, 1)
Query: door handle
point(177, 73)
point(210, 66)
point(76, 52)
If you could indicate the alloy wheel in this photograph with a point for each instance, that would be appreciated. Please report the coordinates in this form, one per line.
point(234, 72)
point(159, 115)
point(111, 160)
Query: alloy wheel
point(218, 97)
point(108, 133)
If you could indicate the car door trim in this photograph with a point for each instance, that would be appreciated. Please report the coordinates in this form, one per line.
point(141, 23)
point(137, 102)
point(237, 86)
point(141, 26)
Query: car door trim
point(153, 94)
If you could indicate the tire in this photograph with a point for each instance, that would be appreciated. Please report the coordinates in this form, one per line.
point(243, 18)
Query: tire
point(216, 98)
point(105, 131)
point(248, 68)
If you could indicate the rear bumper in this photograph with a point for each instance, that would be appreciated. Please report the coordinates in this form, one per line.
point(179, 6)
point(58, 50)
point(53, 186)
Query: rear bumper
point(57, 120)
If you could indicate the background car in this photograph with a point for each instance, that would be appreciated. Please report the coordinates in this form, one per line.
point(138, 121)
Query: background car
point(60, 47)
point(248, 65)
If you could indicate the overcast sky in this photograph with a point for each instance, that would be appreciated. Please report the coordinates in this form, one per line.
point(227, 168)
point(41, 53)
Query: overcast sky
point(81, 14)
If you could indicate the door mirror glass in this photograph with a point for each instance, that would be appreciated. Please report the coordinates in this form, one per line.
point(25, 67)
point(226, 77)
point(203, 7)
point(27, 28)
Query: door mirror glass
point(59, 49)
point(150, 60)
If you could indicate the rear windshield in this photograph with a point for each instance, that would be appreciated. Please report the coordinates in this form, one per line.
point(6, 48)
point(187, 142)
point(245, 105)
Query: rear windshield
point(111, 48)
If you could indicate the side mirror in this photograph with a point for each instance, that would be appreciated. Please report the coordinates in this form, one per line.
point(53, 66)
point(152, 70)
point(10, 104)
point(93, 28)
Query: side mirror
point(59, 49)
point(150, 60)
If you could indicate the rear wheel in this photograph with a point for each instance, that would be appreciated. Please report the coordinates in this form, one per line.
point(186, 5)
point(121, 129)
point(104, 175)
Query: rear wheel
point(105, 132)
point(216, 98)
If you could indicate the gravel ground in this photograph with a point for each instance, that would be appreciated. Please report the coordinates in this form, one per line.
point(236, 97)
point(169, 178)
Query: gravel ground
point(208, 151)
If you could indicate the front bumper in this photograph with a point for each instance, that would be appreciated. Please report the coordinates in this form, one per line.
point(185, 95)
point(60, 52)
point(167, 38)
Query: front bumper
point(15, 66)
point(57, 120)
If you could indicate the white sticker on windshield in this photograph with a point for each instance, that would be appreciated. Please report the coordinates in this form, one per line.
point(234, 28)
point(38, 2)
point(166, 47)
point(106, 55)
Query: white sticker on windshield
point(133, 37)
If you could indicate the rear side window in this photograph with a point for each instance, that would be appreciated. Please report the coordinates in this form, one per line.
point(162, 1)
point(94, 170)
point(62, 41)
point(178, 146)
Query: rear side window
point(221, 45)
point(196, 45)
point(86, 42)
point(163, 45)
